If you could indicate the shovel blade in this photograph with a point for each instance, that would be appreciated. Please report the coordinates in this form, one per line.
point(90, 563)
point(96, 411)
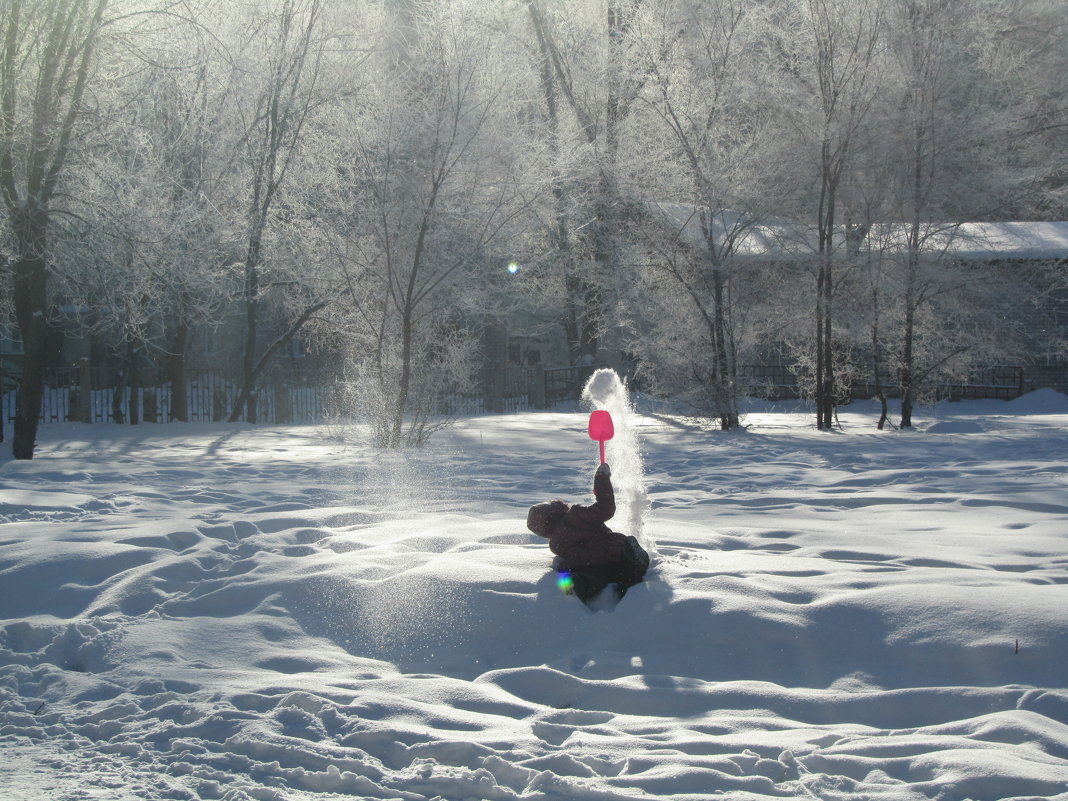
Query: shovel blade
point(601, 427)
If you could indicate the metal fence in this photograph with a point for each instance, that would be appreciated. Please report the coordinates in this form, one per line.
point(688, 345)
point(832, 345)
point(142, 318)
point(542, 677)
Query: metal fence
point(567, 383)
point(210, 397)
point(773, 382)
point(778, 382)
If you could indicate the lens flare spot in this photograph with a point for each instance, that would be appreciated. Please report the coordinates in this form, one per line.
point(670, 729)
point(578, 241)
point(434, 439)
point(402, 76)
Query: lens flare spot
point(565, 583)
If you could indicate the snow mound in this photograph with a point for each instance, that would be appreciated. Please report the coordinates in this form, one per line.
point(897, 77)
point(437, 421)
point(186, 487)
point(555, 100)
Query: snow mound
point(1041, 401)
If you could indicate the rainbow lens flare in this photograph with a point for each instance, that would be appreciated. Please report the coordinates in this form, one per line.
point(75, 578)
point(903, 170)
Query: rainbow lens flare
point(565, 582)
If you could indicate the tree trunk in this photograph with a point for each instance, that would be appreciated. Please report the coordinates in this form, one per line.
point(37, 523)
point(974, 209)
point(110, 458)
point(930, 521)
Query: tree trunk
point(829, 389)
point(825, 226)
point(823, 367)
point(404, 385)
point(907, 356)
point(135, 383)
point(30, 279)
point(877, 362)
point(176, 373)
point(824, 292)
point(907, 388)
point(246, 397)
point(725, 375)
point(117, 415)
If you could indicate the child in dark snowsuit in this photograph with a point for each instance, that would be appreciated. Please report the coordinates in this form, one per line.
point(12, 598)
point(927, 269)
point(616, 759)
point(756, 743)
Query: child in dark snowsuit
point(593, 555)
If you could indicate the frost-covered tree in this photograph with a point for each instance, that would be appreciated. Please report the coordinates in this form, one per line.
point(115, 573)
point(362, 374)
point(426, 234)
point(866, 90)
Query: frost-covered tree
point(195, 276)
point(929, 105)
point(1022, 57)
point(47, 62)
point(277, 73)
point(583, 55)
point(146, 258)
point(702, 129)
point(833, 64)
point(945, 130)
point(425, 185)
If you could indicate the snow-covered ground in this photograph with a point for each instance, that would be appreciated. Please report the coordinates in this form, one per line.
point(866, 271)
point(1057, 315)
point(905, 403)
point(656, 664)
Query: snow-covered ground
point(227, 612)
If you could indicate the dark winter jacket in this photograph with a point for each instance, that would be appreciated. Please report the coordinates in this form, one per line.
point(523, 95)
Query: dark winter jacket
point(578, 534)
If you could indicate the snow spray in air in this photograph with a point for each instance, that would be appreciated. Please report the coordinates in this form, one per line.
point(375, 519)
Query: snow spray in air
point(605, 390)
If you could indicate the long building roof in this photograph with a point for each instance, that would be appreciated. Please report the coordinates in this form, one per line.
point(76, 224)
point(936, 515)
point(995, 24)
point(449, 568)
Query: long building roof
point(787, 240)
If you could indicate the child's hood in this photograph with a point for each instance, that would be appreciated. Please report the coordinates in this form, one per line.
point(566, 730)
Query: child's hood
point(542, 518)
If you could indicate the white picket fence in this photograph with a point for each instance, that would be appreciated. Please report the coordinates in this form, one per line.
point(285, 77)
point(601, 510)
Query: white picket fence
point(208, 398)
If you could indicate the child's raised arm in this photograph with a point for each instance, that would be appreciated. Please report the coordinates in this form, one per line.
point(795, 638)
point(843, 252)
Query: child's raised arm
point(605, 506)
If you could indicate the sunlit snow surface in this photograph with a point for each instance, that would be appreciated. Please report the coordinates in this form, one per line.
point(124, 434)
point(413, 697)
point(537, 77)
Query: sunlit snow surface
point(202, 612)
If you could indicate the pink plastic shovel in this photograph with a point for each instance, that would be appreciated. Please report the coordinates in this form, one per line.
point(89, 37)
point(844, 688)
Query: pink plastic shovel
point(601, 428)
